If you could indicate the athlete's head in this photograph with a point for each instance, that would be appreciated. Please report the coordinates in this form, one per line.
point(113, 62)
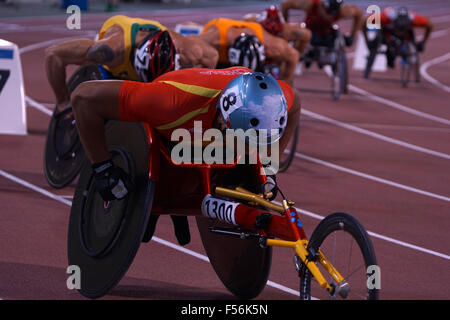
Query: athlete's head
point(271, 20)
point(332, 6)
point(254, 101)
point(247, 51)
point(402, 21)
point(154, 56)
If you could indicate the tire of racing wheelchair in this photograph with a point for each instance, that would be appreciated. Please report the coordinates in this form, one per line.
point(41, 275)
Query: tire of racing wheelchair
point(340, 72)
point(64, 155)
point(242, 265)
point(285, 161)
point(104, 237)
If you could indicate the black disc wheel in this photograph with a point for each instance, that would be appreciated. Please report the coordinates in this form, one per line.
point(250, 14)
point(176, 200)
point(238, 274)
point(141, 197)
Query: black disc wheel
point(347, 246)
point(63, 155)
point(104, 237)
point(242, 265)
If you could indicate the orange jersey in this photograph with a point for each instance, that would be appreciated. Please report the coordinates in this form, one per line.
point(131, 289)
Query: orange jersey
point(178, 98)
point(223, 24)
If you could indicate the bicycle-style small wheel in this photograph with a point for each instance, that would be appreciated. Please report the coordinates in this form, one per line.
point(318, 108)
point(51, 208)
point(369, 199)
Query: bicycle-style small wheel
point(347, 246)
point(405, 71)
point(417, 68)
point(288, 154)
point(339, 77)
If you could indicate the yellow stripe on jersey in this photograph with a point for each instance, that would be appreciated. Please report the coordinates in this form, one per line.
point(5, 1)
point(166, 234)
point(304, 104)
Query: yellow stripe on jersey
point(197, 90)
point(188, 116)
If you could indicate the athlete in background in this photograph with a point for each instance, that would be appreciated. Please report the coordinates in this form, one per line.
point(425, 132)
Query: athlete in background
point(128, 48)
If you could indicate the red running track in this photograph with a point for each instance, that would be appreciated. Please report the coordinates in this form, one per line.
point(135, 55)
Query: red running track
point(382, 156)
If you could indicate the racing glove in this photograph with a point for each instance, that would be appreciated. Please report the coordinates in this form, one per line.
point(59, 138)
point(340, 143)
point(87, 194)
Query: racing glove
point(348, 39)
point(271, 186)
point(112, 182)
point(420, 46)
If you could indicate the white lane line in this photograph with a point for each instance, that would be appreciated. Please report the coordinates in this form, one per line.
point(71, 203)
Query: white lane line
point(397, 106)
point(391, 103)
point(432, 62)
point(305, 212)
point(38, 106)
point(371, 177)
point(34, 188)
point(206, 259)
point(375, 135)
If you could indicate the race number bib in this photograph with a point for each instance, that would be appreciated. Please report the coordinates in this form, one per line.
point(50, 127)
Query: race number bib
point(219, 209)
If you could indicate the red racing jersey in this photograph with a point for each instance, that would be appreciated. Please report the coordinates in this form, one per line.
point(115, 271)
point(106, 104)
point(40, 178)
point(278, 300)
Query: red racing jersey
point(389, 14)
point(318, 24)
point(176, 99)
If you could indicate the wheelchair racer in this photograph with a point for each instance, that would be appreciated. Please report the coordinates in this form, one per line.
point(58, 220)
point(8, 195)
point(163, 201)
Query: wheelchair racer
point(244, 43)
point(321, 15)
point(398, 24)
point(233, 98)
point(274, 23)
point(128, 48)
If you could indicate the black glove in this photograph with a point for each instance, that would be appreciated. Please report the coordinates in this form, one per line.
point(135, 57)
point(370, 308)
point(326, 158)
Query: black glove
point(420, 46)
point(372, 45)
point(348, 39)
point(271, 186)
point(112, 182)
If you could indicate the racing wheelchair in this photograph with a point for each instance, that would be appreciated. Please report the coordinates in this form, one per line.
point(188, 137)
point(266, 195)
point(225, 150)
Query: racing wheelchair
point(238, 222)
point(329, 50)
point(397, 46)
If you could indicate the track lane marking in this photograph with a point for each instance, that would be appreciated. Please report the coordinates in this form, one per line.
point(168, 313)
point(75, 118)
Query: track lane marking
point(375, 135)
point(432, 62)
point(391, 103)
point(371, 177)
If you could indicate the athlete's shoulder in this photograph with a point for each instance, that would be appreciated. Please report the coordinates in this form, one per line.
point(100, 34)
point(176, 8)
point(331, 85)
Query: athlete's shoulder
point(209, 78)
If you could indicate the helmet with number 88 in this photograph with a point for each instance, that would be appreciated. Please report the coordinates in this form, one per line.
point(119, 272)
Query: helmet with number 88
point(255, 101)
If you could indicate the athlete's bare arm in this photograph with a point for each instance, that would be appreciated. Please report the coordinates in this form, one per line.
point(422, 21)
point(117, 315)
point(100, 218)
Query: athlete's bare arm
point(351, 11)
point(195, 52)
point(296, 33)
point(280, 50)
point(79, 52)
point(287, 5)
point(428, 29)
point(93, 102)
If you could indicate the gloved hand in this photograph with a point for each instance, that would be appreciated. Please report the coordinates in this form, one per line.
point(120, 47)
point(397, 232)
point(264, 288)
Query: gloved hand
point(112, 182)
point(271, 186)
point(372, 45)
point(420, 46)
point(348, 39)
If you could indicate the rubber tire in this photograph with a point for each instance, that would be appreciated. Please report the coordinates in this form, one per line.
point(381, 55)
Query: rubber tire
point(328, 225)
